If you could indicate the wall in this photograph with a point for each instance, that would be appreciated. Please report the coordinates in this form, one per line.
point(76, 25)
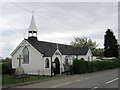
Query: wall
point(47, 71)
point(35, 59)
point(85, 57)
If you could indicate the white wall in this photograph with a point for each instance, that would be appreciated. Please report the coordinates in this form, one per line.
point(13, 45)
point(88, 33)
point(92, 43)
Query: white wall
point(35, 59)
point(85, 57)
point(47, 71)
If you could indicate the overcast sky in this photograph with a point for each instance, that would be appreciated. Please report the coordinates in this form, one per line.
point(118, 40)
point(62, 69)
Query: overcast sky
point(57, 22)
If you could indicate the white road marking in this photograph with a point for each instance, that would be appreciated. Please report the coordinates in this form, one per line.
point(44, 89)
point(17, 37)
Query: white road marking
point(61, 85)
point(86, 78)
point(68, 83)
point(78, 80)
point(56, 86)
point(112, 80)
point(93, 88)
point(82, 79)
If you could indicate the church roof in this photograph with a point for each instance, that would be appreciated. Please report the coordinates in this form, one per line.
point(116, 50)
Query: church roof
point(48, 48)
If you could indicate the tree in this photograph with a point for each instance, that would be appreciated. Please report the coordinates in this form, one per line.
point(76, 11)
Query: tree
point(110, 44)
point(84, 42)
point(98, 52)
point(6, 65)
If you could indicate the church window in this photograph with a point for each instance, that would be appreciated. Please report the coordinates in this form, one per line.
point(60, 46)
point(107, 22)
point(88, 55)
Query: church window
point(25, 55)
point(47, 63)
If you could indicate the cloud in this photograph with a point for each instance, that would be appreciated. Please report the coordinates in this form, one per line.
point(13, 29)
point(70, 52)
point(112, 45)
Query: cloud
point(57, 21)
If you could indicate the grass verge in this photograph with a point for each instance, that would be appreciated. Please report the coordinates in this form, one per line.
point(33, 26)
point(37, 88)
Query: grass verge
point(9, 80)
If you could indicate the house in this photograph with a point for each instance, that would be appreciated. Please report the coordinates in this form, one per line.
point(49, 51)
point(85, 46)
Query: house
point(38, 57)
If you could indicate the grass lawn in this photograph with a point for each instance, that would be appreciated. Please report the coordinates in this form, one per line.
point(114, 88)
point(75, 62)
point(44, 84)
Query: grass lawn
point(8, 79)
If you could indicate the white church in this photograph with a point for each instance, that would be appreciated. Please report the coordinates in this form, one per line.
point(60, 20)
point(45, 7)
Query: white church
point(42, 56)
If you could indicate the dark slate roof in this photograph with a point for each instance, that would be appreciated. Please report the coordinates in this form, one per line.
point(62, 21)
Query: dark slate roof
point(48, 48)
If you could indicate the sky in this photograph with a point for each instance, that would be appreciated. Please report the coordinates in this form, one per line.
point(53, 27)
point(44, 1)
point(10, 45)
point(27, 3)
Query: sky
point(57, 22)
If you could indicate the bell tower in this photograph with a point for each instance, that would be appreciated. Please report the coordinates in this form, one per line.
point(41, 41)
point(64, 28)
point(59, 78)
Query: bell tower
point(32, 31)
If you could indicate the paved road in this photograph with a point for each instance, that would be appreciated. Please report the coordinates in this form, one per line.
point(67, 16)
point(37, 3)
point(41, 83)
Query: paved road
point(103, 79)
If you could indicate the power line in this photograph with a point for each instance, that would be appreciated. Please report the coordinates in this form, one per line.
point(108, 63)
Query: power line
point(46, 12)
point(54, 15)
point(32, 10)
point(37, 15)
point(21, 7)
point(5, 26)
point(63, 26)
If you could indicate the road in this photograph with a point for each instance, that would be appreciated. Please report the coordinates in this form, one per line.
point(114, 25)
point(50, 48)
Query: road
point(102, 79)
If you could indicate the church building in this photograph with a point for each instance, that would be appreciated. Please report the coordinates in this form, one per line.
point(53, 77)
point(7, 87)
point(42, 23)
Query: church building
point(38, 57)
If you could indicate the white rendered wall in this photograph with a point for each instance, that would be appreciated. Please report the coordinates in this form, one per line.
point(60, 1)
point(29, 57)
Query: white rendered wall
point(85, 57)
point(35, 60)
point(47, 71)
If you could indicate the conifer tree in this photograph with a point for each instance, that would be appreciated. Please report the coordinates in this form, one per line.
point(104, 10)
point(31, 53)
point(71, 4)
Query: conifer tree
point(110, 44)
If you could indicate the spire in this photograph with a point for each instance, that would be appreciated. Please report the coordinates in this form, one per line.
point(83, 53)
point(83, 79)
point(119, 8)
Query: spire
point(32, 28)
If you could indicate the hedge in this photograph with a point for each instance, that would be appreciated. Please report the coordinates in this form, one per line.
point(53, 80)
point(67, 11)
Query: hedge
point(81, 66)
point(6, 65)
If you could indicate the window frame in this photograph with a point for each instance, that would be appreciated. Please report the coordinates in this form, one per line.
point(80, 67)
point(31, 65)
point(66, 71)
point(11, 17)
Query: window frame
point(25, 55)
point(47, 63)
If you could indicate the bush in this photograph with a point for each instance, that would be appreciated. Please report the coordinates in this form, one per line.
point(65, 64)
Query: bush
point(6, 65)
point(81, 66)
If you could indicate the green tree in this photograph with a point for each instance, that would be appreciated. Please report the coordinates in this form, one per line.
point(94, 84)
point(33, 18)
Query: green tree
point(98, 52)
point(84, 42)
point(110, 44)
point(6, 65)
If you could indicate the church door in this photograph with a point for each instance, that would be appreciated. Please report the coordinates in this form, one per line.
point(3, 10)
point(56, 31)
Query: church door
point(57, 65)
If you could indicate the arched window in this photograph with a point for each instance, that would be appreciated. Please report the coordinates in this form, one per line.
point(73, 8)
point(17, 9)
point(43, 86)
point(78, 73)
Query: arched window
point(47, 63)
point(25, 55)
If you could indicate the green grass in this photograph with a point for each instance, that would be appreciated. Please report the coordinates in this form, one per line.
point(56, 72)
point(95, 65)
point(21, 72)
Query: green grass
point(8, 79)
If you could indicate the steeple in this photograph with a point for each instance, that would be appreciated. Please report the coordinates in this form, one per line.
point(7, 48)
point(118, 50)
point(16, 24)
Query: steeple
point(32, 31)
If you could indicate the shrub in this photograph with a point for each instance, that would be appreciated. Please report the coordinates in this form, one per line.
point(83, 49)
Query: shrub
point(6, 65)
point(81, 66)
